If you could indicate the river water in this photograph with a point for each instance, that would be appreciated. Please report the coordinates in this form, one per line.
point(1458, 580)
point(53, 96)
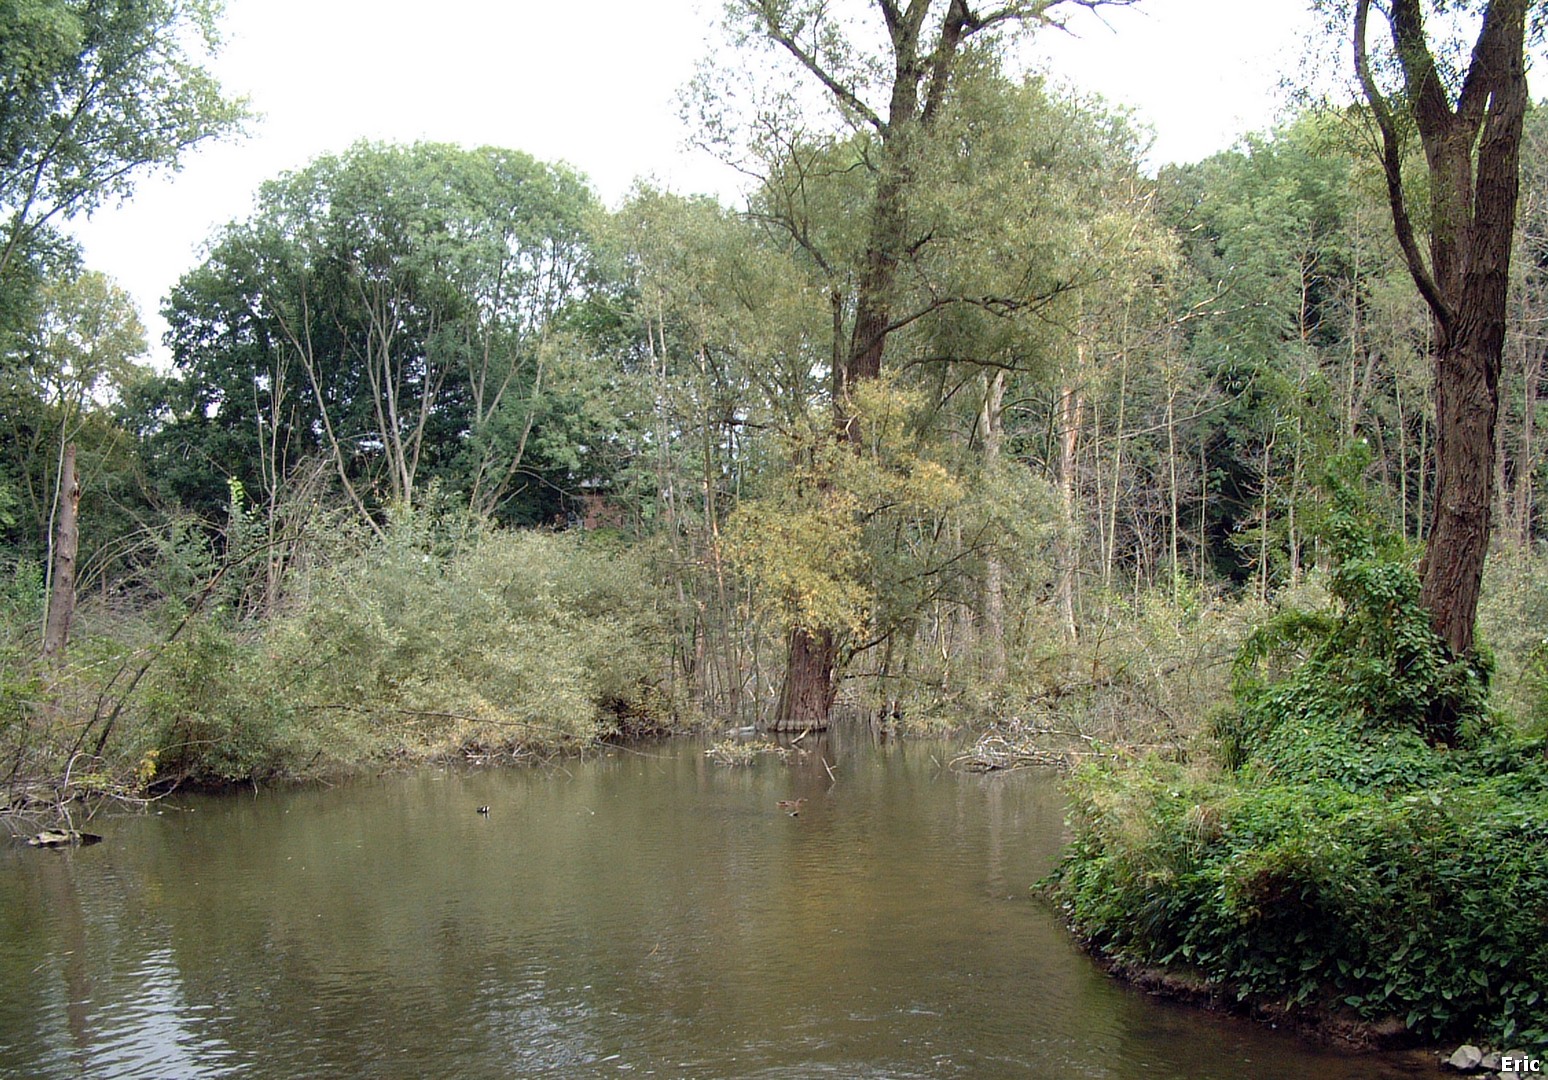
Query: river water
point(644, 913)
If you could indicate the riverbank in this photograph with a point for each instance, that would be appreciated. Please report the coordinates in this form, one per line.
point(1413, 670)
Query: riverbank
point(1409, 900)
point(1341, 1031)
point(1359, 835)
point(1395, 1044)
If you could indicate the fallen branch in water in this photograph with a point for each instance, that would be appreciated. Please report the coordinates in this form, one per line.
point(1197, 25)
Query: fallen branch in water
point(994, 753)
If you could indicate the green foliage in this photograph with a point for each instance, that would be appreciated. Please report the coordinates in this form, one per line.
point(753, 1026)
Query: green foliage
point(438, 638)
point(1356, 855)
point(21, 594)
point(21, 618)
point(506, 643)
point(93, 94)
point(1372, 660)
point(841, 538)
point(72, 362)
point(1512, 616)
point(1421, 895)
point(1288, 250)
point(395, 310)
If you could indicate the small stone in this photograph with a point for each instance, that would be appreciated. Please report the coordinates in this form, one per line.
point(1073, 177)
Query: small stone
point(1466, 1058)
point(1518, 1057)
point(1490, 1062)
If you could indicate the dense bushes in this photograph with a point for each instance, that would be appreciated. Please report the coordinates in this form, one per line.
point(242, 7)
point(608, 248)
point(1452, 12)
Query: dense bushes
point(425, 642)
point(1420, 894)
point(1370, 658)
point(1369, 840)
point(517, 640)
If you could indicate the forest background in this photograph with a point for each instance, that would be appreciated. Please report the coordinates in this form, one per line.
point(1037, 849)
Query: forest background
point(963, 419)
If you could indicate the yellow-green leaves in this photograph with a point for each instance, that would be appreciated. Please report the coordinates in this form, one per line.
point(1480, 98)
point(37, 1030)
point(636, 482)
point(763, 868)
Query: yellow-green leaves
point(802, 553)
point(810, 542)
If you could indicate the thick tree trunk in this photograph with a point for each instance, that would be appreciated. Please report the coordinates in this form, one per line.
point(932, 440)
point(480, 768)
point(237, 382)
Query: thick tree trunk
point(1471, 345)
point(806, 699)
point(1467, 402)
point(1472, 151)
point(61, 599)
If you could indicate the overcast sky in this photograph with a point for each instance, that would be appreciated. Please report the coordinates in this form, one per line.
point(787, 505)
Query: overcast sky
point(595, 84)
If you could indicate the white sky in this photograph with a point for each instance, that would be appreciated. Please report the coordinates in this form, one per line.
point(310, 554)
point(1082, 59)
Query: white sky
point(595, 83)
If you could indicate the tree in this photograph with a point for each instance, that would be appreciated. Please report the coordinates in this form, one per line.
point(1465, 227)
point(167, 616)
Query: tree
point(390, 310)
point(76, 358)
point(1469, 124)
point(92, 94)
point(1274, 242)
point(70, 367)
point(892, 99)
point(724, 327)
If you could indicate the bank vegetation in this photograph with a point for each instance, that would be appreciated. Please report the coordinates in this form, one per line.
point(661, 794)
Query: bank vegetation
point(966, 417)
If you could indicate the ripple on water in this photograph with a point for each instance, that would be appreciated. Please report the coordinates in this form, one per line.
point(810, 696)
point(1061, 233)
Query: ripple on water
point(640, 914)
point(153, 1032)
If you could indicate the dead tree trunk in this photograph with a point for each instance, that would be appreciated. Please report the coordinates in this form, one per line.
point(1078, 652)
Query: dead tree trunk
point(61, 598)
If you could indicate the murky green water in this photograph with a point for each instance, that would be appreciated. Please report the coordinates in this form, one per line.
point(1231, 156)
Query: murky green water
point(646, 914)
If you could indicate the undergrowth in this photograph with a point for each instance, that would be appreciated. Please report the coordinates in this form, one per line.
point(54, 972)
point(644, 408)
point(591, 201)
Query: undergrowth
point(1367, 841)
point(425, 642)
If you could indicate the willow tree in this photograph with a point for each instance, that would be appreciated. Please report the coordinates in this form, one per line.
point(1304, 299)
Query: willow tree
point(1469, 124)
point(889, 74)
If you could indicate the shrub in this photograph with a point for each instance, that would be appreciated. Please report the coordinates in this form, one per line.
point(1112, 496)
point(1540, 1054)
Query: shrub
point(1371, 658)
point(1371, 841)
point(510, 641)
point(1430, 905)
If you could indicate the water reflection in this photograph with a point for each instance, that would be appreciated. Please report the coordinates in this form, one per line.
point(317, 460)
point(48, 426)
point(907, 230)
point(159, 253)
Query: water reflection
point(645, 913)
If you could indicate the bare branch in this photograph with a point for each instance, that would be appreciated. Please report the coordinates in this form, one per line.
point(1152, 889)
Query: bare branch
point(786, 40)
point(1392, 167)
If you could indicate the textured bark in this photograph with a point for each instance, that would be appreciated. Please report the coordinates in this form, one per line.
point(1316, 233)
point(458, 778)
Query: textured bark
point(806, 699)
point(61, 598)
point(1472, 152)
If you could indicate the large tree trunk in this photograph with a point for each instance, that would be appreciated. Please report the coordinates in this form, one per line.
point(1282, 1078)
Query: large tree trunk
point(1472, 151)
point(1467, 405)
point(806, 699)
point(61, 597)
